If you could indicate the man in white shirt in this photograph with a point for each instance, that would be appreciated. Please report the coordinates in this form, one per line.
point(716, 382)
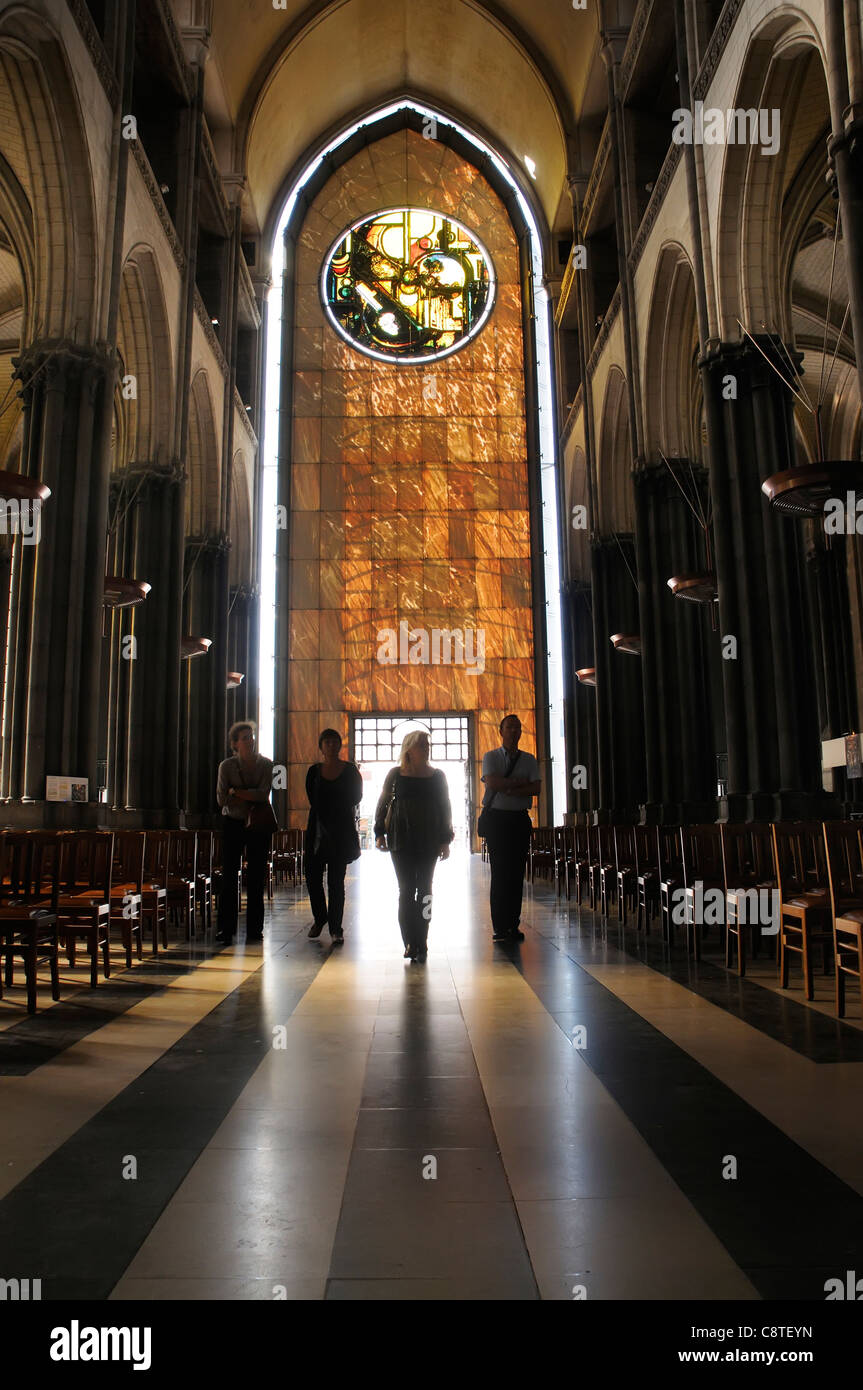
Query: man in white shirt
point(511, 780)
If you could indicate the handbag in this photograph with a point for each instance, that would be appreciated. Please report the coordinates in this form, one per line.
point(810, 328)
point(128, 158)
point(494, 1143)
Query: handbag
point(389, 816)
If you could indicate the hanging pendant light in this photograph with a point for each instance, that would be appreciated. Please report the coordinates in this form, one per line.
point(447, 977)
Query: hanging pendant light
point(697, 588)
point(120, 592)
point(586, 676)
point(629, 642)
point(194, 646)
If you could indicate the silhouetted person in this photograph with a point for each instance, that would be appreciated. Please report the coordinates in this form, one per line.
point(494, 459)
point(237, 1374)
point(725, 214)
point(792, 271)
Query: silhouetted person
point(335, 789)
point(245, 778)
point(511, 780)
point(413, 821)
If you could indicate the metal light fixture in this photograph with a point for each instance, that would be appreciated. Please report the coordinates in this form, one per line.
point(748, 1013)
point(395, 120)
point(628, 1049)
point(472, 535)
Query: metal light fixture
point(194, 646)
point(120, 592)
point(629, 642)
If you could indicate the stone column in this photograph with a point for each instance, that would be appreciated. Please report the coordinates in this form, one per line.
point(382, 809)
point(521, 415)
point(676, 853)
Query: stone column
point(243, 640)
point(54, 710)
point(676, 637)
point(774, 763)
point(583, 747)
point(156, 519)
point(828, 595)
point(619, 703)
point(204, 678)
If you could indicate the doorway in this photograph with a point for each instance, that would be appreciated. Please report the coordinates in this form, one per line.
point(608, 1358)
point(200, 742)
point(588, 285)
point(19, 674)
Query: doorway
point(375, 744)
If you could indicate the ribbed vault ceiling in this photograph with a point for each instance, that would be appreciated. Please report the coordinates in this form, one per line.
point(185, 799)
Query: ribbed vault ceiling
point(283, 78)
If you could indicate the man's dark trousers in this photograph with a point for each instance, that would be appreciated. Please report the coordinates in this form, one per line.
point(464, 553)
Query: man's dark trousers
point(256, 843)
point(508, 843)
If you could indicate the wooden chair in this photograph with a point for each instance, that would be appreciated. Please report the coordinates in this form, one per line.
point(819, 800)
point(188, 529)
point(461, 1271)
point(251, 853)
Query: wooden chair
point(624, 857)
point(804, 896)
point(204, 878)
point(646, 875)
point(27, 931)
point(701, 847)
point(542, 853)
point(84, 904)
point(131, 871)
point(603, 862)
point(670, 853)
point(844, 851)
point(563, 856)
point(581, 867)
point(181, 875)
point(750, 874)
point(299, 855)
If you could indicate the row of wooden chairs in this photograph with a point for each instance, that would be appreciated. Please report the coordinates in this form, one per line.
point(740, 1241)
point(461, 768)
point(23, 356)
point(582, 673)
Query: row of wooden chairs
point(808, 874)
point(73, 886)
point(286, 858)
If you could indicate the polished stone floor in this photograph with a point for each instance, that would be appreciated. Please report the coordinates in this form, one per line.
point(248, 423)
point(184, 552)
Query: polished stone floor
point(585, 1115)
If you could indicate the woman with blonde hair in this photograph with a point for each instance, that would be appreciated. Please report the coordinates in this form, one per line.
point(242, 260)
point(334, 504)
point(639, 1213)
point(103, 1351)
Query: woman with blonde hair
point(413, 821)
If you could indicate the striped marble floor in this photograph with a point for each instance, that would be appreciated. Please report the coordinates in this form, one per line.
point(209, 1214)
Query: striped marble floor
point(584, 1116)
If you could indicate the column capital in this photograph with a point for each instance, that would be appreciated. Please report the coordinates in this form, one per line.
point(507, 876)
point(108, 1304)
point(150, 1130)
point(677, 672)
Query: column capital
point(759, 347)
point(60, 359)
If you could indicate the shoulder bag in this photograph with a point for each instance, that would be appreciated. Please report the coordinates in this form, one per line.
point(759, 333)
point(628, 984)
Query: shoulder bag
point(483, 825)
point(390, 812)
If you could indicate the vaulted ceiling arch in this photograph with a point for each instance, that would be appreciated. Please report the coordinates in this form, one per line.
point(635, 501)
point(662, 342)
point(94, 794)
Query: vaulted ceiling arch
point(309, 82)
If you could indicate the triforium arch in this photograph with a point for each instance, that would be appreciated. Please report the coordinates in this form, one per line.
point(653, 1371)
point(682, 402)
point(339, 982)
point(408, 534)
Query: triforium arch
point(45, 146)
point(145, 387)
point(671, 383)
point(783, 72)
point(203, 489)
point(470, 438)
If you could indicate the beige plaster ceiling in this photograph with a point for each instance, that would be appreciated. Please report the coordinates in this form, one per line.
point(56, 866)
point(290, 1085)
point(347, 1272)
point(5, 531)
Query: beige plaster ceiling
point(283, 78)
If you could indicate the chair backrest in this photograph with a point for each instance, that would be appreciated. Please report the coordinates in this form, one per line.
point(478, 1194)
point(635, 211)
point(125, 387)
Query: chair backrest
point(156, 856)
point(624, 847)
point(605, 844)
point(205, 852)
point(88, 861)
point(747, 855)
point(183, 853)
point(799, 856)
point(129, 850)
point(16, 857)
point(844, 853)
point(702, 853)
point(669, 850)
point(32, 864)
point(646, 850)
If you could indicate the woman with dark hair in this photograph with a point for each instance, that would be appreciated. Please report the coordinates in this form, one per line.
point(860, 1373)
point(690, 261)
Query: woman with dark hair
point(413, 821)
point(334, 788)
point(245, 780)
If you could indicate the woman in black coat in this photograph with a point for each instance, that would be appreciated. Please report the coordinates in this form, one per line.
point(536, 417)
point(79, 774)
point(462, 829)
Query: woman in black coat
point(334, 788)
